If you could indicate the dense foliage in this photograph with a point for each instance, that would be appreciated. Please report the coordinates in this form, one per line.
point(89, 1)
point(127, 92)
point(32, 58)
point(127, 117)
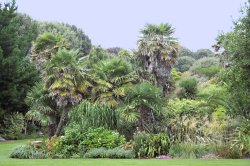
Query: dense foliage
point(160, 100)
point(76, 38)
point(116, 153)
point(88, 114)
point(78, 141)
point(17, 73)
point(27, 152)
point(13, 125)
point(150, 145)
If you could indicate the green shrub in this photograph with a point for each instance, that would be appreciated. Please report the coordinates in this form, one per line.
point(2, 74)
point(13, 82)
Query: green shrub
point(100, 137)
point(188, 150)
point(39, 154)
point(96, 153)
point(27, 152)
point(208, 67)
point(241, 139)
point(150, 145)
point(115, 153)
point(68, 145)
point(88, 114)
point(140, 143)
point(203, 53)
point(213, 92)
point(22, 152)
point(184, 63)
point(75, 156)
point(176, 75)
point(13, 125)
point(225, 151)
point(77, 141)
point(186, 119)
point(190, 87)
point(208, 71)
point(119, 153)
point(193, 151)
point(51, 145)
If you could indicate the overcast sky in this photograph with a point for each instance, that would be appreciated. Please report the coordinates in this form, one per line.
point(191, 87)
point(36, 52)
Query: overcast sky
point(111, 23)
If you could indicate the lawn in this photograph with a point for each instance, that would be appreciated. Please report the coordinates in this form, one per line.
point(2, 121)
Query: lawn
point(5, 148)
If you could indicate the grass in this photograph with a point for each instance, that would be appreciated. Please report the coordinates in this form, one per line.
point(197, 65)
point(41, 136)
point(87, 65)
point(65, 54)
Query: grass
point(6, 147)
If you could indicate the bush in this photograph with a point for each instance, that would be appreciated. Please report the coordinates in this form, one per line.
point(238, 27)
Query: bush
point(207, 67)
point(183, 51)
point(225, 151)
point(96, 153)
point(13, 125)
point(190, 87)
point(88, 114)
point(186, 119)
point(210, 156)
point(175, 75)
point(188, 150)
point(213, 91)
point(100, 137)
point(119, 153)
point(150, 145)
point(77, 141)
point(68, 145)
point(203, 53)
point(27, 152)
point(115, 153)
point(213, 150)
point(242, 138)
point(184, 63)
point(51, 144)
point(209, 71)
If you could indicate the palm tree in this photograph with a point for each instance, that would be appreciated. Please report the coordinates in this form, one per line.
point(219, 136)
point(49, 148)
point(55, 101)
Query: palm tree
point(157, 50)
point(65, 82)
point(142, 106)
point(63, 76)
point(41, 108)
point(112, 78)
point(64, 85)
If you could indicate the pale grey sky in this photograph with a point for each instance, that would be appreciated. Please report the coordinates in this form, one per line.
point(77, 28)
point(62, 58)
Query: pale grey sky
point(111, 23)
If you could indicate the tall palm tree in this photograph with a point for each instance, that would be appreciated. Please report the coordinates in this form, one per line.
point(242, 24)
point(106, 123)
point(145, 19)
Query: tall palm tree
point(63, 76)
point(65, 82)
point(157, 51)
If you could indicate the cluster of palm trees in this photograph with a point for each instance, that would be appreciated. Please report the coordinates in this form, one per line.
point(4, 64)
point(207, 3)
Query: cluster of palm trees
point(100, 79)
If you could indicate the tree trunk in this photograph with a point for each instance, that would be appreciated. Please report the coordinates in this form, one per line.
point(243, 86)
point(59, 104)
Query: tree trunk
point(52, 130)
point(26, 126)
point(160, 68)
point(145, 122)
point(163, 74)
point(62, 120)
point(142, 118)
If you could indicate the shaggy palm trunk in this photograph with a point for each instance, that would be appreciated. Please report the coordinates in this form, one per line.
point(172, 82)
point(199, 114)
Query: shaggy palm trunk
point(62, 120)
point(163, 73)
point(146, 121)
point(162, 78)
point(52, 130)
point(161, 69)
point(143, 117)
